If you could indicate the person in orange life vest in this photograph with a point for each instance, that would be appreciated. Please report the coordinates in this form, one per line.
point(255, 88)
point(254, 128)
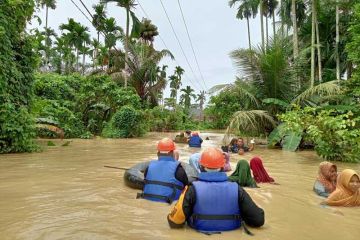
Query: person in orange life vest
point(212, 204)
point(195, 140)
point(164, 178)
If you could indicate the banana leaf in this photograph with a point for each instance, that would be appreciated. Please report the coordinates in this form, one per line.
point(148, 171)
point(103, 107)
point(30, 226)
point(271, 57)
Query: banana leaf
point(276, 135)
point(291, 141)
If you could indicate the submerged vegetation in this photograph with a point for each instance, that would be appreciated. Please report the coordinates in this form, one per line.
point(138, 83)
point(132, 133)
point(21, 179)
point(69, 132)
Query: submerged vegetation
point(300, 86)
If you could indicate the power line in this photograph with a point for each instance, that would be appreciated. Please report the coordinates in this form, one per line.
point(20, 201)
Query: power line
point(182, 50)
point(187, 77)
point(102, 33)
point(81, 11)
point(87, 9)
point(192, 47)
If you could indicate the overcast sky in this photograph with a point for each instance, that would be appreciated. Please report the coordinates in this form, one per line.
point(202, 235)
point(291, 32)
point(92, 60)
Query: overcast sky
point(213, 28)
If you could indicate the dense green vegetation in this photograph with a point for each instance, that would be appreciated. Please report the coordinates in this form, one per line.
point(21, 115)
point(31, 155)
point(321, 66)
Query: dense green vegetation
point(300, 86)
point(17, 63)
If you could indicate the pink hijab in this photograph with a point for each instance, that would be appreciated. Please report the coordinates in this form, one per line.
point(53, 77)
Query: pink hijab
point(227, 166)
point(324, 176)
point(259, 172)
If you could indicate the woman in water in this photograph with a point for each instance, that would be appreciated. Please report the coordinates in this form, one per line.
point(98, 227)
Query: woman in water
point(259, 172)
point(242, 175)
point(347, 193)
point(326, 181)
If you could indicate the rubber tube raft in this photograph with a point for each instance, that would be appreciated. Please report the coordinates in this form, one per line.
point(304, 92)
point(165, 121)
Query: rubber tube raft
point(134, 177)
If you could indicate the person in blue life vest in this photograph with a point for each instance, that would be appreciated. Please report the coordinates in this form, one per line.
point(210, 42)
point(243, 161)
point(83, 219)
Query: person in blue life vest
point(195, 140)
point(212, 204)
point(164, 178)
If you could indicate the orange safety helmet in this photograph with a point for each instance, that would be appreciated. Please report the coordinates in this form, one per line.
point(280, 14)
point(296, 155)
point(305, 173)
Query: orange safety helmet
point(212, 158)
point(166, 145)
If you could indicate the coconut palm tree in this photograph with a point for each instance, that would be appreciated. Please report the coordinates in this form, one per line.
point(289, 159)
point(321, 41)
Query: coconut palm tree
point(47, 4)
point(77, 35)
point(246, 9)
point(112, 34)
point(99, 18)
point(143, 62)
point(185, 98)
point(295, 29)
point(148, 31)
point(269, 73)
point(128, 5)
point(175, 84)
point(201, 98)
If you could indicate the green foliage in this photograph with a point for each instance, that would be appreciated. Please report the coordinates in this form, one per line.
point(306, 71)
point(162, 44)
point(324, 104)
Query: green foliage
point(51, 144)
point(336, 134)
point(17, 63)
point(125, 123)
point(160, 119)
point(67, 120)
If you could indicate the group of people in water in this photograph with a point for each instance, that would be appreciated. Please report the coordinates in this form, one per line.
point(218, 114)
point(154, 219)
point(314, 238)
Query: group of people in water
point(201, 202)
point(339, 189)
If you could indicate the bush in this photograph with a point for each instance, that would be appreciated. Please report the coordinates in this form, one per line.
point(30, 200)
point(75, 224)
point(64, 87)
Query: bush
point(16, 135)
point(125, 123)
point(17, 63)
point(335, 134)
point(68, 121)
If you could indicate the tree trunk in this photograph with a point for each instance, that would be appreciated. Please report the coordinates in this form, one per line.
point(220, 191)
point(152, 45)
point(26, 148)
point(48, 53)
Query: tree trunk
point(337, 44)
point(274, 30)
point(262, 24)
point(127, 44)
point(267, 31)
point(47, 40)
point(318, 49)
point(83, 61)
point(248, 28)
point(295, 29)
point(77, 60)
point(313, 19)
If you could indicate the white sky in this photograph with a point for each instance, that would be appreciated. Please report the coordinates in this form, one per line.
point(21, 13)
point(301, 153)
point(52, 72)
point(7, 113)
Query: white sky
point(213, 28)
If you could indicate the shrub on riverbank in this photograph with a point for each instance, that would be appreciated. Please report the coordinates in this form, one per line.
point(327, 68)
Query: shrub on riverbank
point(335, 133)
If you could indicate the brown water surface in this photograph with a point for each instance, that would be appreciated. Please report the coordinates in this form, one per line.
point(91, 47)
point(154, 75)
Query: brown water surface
point(66, 193)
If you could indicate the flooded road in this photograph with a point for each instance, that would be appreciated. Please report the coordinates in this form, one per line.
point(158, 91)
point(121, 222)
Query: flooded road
point(66, 193)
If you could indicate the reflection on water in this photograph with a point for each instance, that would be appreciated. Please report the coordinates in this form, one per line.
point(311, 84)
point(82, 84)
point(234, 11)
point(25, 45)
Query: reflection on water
point(66, 193)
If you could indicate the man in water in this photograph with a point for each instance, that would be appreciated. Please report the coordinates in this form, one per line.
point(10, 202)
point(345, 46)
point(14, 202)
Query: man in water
point(165, 178)
point(213, 204)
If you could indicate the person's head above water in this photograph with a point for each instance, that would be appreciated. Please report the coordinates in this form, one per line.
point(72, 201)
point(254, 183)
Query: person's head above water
point(240, 142)
point(242, 175)
point(212, 160)
point(166, 147)
point(259, 172)
point(327, 175)
point(347, 191)
point(233, 141)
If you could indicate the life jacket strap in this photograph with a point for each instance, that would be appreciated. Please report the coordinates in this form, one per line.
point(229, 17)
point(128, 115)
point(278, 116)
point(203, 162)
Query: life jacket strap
point(165, 184)
point(144, 195)
point(216, 217)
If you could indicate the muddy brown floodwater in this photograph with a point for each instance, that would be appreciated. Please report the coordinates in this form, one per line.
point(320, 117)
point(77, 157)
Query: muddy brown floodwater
point(66, 193)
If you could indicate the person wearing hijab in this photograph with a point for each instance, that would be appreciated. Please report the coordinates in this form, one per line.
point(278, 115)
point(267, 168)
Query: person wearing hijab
point(227, 166)
point(194, 161)
point(242, 175)
point(326, 181)
point(259, 172)
point(347, 193)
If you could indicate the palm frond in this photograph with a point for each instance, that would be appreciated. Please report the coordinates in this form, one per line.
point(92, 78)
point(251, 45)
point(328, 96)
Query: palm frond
point(324, 89)
point(250, 122)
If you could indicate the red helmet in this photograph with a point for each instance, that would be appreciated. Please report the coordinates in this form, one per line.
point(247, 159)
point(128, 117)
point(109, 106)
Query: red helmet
point(166, 145)
point(212, 158)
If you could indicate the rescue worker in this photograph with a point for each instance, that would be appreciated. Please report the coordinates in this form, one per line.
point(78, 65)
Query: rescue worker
point(195, 140)
point(212, 204)
point(164, 178)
